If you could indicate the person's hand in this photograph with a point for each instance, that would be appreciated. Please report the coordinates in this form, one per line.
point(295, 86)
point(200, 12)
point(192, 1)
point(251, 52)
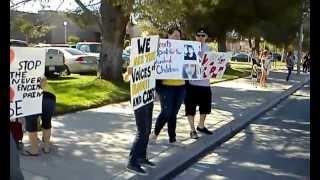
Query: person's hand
point(128, 73)
point(129, 70)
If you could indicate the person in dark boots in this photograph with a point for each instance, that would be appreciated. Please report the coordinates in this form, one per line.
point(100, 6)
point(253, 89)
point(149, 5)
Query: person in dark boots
point(138, 153)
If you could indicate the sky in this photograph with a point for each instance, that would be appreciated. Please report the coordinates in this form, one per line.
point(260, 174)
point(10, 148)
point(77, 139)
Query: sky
point(34, 6)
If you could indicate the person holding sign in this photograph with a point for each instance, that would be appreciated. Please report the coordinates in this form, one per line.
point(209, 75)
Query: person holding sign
point(171, 94)
point(48, 108)
point(198, 93)
point(138, 153)
point(140, 72)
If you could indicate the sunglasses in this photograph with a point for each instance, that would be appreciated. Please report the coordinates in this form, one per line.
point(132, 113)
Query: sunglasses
point(201, 35)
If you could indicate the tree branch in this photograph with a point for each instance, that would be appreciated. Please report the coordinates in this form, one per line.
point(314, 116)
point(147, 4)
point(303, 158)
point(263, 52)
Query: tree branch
point(18, 3)
point(90, 13)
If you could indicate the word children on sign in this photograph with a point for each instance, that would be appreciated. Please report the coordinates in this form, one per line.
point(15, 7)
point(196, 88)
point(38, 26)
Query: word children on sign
point(26, 70)
point(214, 64)
point(178, 59)
point(142, 59)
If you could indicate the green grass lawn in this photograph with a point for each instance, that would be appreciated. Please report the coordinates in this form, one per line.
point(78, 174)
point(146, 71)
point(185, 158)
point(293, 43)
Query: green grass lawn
point(77, 92)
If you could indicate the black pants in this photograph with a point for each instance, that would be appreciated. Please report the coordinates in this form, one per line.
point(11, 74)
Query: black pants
point(289, 72)
point(48, 109)
point(143, 117)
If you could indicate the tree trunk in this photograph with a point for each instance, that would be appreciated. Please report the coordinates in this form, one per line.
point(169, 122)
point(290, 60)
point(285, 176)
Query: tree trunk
point(250, 43)
point(113, 31)
point(257, 43)
point(222, 43)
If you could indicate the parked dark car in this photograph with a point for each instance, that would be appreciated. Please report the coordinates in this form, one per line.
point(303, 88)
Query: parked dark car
point(276, 56)
point(241, 57)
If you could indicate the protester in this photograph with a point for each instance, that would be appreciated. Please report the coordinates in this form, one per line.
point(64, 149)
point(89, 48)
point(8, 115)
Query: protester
point(290, 63)
point(306, 63)
point(48, 108)
point(198, 93)
point(171, 94)
point(264, 62)
point(267, 64)
point(138, 153)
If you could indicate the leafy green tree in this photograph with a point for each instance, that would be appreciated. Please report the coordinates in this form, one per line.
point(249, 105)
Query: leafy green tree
point(73, 39)
point(30, 30)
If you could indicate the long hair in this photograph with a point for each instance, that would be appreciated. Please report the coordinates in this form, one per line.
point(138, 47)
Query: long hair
point(173, 28)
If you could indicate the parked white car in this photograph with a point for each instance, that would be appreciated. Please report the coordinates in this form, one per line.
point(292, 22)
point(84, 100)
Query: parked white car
point(77, 61)
point(91, 48)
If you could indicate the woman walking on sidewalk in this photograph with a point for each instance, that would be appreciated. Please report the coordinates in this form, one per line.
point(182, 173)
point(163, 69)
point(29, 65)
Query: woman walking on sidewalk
point(171, 94)
point(198, 93)
point(290, 63)
point(138, 153)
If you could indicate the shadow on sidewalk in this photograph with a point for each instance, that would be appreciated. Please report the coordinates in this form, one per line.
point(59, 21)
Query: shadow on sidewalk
point(277, 146)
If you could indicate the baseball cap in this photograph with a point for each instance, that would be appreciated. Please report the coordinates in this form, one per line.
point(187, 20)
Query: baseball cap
point(202, 31)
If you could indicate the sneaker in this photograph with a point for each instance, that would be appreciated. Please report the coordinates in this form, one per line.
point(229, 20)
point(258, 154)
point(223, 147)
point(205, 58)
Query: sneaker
point(146, 162)
point(194, 135)
point(204, 130)
point(153, 138)
point(136, 169)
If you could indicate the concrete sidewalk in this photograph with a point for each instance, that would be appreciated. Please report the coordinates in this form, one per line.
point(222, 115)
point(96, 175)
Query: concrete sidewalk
point(94, 144)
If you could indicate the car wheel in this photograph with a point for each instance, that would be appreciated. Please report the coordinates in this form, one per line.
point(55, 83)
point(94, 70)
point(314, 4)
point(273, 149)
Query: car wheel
point(65, 72)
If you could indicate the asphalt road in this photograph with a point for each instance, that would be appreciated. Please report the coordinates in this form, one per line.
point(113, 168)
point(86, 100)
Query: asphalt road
point(276, 146)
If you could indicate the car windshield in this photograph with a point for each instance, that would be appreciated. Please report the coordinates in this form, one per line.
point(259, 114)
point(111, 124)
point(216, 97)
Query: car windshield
point(74, 51)
point(95, 48)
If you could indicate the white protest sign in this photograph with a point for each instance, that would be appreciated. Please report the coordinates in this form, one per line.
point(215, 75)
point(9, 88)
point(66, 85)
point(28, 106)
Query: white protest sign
point(214, 64)
point(178, 59)
point(142, 58)
point(27, 67)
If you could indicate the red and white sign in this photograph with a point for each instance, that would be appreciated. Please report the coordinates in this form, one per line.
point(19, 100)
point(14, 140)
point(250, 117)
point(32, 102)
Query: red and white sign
point(214, 64)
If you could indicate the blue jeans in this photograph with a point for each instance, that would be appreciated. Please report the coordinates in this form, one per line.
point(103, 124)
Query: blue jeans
point(143, 118)
point(171, 98)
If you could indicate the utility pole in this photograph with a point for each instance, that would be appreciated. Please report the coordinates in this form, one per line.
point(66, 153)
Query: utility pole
point(300, 37)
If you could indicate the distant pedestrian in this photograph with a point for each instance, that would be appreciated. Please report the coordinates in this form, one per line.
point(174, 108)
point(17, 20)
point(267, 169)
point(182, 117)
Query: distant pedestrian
point(171, 94)
point(198, 93)
point(138, 153)
point(306, 63)
point(264, 63)
point(290, 63)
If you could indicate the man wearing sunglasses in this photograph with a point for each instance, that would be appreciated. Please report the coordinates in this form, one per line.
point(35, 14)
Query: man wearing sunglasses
point(198, 93)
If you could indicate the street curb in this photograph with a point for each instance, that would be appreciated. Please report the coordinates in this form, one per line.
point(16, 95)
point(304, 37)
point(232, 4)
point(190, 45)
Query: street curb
point(176, 163)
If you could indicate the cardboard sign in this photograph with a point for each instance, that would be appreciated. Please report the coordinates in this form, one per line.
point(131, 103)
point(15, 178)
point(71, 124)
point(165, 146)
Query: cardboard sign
point(214, 64)
point(27, 66)
point(142, 58)
point(178, 59)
